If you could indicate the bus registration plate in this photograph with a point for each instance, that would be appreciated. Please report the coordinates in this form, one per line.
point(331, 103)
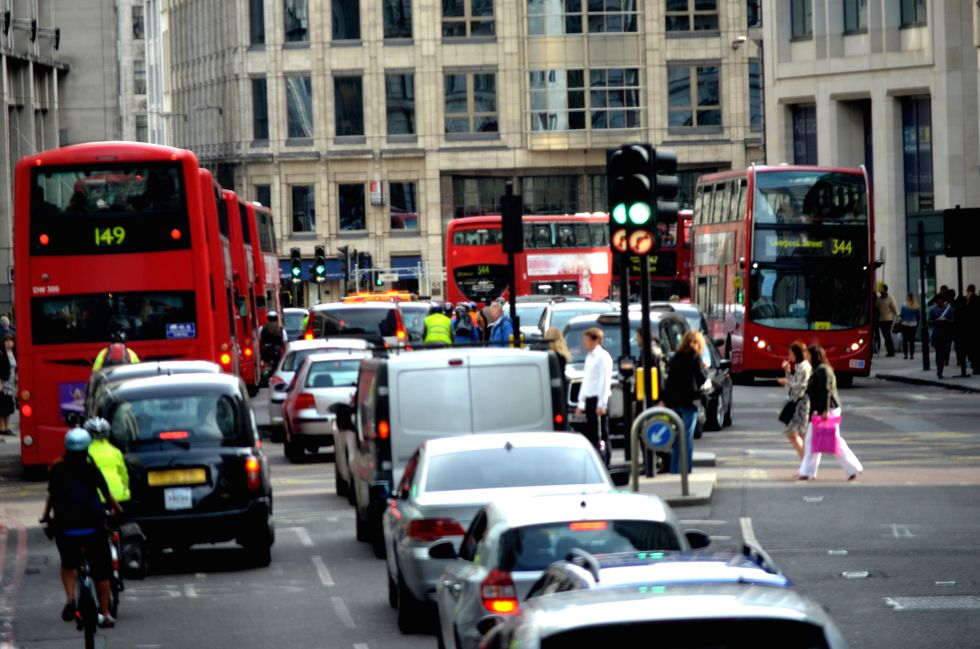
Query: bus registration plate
point(856, 363)
point(177, 498)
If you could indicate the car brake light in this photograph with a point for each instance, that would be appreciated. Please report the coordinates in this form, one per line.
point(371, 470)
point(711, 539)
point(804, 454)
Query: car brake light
point(433, 529)
point(585, 526)
point(383, 429)
point(559, 419)
point(253, 473)
point(173, 434)
point(498, 593)
point(305, 400)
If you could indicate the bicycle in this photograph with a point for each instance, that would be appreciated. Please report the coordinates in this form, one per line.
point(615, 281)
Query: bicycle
point(86, 603)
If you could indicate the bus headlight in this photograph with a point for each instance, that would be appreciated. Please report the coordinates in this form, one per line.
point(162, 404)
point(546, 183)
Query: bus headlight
point(761, 344)
point(856, 346)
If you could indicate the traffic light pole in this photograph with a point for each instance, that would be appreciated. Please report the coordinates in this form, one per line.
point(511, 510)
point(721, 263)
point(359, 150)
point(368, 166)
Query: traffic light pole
point(649, 468)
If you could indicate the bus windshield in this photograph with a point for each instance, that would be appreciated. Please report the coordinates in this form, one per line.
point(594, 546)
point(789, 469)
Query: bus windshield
point(822, 296)
point(108, 210)
point(813, 196)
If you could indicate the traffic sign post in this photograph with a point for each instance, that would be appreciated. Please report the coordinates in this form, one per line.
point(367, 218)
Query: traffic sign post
point(657, 428)
point(512, 229)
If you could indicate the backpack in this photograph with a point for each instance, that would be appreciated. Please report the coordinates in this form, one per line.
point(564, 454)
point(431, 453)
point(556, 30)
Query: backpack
point(117, 355)
point(464, 326)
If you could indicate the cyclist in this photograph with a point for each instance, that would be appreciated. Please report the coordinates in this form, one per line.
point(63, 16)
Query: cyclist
point(116, 353)
point(108, 458)
point(74, 487)
point(272, 338)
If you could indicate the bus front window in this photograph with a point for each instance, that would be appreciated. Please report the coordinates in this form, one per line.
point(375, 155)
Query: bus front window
point(815, 298)
point(799, 197)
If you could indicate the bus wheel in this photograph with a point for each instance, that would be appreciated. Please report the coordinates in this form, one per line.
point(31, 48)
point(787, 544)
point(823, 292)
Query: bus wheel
point(845, 380)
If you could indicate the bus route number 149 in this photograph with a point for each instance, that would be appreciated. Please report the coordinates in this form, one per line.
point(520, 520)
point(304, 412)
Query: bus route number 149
point(110, 236)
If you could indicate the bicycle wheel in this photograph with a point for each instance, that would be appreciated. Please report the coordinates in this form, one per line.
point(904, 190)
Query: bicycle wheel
point(88, 611)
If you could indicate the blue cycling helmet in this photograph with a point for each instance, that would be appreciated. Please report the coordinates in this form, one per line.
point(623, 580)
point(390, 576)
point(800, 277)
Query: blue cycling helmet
point(78, 440)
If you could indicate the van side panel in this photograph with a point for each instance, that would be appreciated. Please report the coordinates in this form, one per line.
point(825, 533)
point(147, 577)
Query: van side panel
point(511, 398)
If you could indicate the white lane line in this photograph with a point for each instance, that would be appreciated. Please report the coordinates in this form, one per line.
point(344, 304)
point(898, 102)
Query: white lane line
point(322, 572)
point(304, 536)
point(719, 538)
point(360, 645)
point(189, 591)
point(901, 531)
point(748, 534)
point(341, 609)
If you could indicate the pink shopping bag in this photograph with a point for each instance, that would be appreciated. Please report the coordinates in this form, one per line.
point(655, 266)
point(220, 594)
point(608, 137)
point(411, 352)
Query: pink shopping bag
point(825, 437)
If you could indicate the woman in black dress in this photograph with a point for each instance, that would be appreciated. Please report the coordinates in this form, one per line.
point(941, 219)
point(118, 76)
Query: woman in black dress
point(8, 383)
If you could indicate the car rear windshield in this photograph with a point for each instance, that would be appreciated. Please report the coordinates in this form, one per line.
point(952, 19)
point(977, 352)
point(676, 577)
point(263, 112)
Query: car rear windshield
point(535, 547)
point(294, 325)
point(369, 321)
point(181, 419)
point(512, 467)
point(560, 317)
point(677, 634)
point(295, 358)
point(329, 374)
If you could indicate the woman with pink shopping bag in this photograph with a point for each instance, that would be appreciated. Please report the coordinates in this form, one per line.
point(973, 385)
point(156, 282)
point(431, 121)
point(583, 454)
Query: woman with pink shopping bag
point(823, 434)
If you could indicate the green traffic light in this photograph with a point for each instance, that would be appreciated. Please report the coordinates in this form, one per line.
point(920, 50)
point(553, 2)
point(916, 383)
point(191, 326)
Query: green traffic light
point(619, 214)
point(296, 271)
point(320, 269)
point(640, 213)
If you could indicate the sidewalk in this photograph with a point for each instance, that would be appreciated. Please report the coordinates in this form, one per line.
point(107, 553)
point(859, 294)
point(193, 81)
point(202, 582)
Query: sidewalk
point(902, 370)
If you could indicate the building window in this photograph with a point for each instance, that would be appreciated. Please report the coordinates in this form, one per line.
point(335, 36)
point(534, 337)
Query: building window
point(913, 12)
point(263, 194)
point(753, 13)
point(397, 18)
point(557, 100)
point(260, 110)
point(614, 98)
point(693, 93)
point(462, 18)
point(346, 17)
point(138, 25)
point(297, 21)
point(855, 16)
point(404, 210)
point(801, 18)
point(547, 17)
point(256, 22)
point(139, 76)
point(476, 196)
point(348, 105)
point(141, 130)
point(756, 108)
point(692, 15)
point(304, 208)
point(351, 204)
point(917, 157)
point(400, 103)
point(299, 107)
point(550, 194)
point(600, 195)
point(804, 134)
point(471, 102)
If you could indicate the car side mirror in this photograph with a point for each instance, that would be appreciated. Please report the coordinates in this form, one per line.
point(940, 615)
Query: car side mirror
point(442, 550)
point(725, 364)
point(620, 477)
point(697, 539)
point(345, 416)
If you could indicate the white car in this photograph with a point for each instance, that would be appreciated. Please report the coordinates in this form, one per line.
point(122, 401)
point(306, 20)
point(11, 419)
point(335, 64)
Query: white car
point(296, 351)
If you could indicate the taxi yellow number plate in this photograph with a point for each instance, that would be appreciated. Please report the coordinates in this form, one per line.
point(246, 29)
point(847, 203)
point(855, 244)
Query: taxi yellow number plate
point(172, 477)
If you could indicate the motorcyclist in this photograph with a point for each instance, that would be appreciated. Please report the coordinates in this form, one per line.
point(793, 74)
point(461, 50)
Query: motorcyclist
point(117, 353)
point(75, 485)
point(272, 336)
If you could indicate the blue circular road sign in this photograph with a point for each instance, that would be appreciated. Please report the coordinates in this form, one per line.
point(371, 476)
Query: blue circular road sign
point(659, 435)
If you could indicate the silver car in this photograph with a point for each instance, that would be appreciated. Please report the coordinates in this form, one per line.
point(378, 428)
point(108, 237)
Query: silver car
point(510, 543)
point(681, 599)
point(446, 482)
point(296, 351)
point(324, 378)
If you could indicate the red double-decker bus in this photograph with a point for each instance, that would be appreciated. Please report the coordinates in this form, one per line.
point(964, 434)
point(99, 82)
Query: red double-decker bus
point(563, 255)
point(108, 236)
point(783, 254)
point(265, 253)
point(670, 264)
point(243, 290)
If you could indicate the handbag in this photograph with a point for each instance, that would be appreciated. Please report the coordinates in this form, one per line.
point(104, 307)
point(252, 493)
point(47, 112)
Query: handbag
point(825, 437)
point(789, 409)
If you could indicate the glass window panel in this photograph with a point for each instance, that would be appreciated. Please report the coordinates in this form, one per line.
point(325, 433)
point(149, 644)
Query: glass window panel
point(348, 106)
point(576, 79)
point(679, 86)
point(576, 120)
point(485, 124)
point(260, 110)
point(482, 8)
point(351, 204)
point(303, 208)
point(404, 207)
point(256, 21)
point(706, 23)
point(573, 6)
point(457, 125)
point(397, 18)
point(484, 93)
point(680, 118)
point(400, 103)
point(299, 107)
point(677, 5)
point(346, 20)
point(709, 118)
point(708, 86)
point(453, 29)
point(482, 28)
point(597, 24)
point(632, 119)
point(573, 24)
point(296, 20)
point(705, 5)
point(453, 8)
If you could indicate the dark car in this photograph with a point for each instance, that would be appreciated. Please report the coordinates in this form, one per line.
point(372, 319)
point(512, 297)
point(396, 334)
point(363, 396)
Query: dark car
point(380, 323)
point(107, 377)
point(196, 471)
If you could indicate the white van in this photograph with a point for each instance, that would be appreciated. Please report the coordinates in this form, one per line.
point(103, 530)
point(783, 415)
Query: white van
point(405, 399)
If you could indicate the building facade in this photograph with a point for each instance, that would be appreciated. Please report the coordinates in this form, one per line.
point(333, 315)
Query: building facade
point(32, 70)
point(892, 85)
point(368, 126)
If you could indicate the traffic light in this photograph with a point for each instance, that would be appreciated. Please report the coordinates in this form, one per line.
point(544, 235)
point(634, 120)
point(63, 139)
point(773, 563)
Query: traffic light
point(665, 185)
point(630, 183)
point(377, 279)
point(296, 266)
point(319, 265)
point(364, 260)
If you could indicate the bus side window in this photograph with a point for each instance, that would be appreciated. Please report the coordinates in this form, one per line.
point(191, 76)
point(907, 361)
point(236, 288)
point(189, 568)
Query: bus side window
point(698, 203)
point(528, 236)
point(709, 194)
point(743, 199)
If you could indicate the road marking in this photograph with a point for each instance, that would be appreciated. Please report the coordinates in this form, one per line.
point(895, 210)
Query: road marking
point(702, 521)
point(748, 534)
point(720, 538)
point(342, 612)
point(901, 531)
point(304, 536)
point(322, 572)
point(189, 591)
point(360, 645)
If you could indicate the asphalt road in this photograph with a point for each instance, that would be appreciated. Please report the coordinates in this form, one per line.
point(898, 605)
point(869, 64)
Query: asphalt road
point(894, 556)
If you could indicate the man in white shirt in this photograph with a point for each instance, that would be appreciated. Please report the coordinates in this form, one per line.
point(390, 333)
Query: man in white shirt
point(593, 397)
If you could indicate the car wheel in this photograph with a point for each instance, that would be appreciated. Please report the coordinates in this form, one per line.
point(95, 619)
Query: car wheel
point(339, 483)
point(845, 380)
point(715, 412)
point(377, 538)
point(699, 425)
point(259, 545)
point(409, 609)
point(292, 450)
point(276, 433)
point(728, 413)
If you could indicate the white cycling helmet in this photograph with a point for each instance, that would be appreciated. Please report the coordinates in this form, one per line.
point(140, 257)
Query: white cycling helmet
point(97, 427)
point(77, 440)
